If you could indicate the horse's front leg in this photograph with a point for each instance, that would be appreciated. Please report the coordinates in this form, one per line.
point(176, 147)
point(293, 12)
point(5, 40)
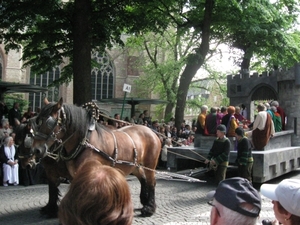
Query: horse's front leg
point(51, 209)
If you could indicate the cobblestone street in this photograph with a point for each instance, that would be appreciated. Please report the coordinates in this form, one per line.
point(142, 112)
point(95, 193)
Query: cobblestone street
point(178, 202)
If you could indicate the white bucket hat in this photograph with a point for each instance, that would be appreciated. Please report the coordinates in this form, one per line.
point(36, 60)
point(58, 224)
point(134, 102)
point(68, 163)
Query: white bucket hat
point(287, 193)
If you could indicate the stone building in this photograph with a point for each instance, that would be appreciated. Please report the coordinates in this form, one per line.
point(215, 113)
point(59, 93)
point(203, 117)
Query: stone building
point(280, 85)
point(115, 68)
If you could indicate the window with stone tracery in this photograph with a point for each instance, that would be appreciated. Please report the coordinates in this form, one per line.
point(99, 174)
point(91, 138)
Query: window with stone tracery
point(36, 99)
point(102, 77)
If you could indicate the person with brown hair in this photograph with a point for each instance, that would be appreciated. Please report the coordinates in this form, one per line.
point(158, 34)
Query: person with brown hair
point(230, 122)
point(285, 197)
point(98, 195)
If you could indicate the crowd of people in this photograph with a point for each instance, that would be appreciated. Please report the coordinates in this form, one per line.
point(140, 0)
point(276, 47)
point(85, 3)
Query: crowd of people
point(104, 194)
point(224, 122)
point(10, 171)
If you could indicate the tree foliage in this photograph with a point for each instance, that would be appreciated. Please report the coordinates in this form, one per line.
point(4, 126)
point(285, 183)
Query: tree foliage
point(50, 31)
point(263, 30)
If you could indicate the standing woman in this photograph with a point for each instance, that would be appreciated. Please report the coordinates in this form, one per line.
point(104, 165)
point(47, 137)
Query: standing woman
point(244, 158)
point(9, 159)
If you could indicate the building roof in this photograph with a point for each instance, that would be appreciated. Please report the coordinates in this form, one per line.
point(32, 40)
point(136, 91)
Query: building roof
point(11, 87)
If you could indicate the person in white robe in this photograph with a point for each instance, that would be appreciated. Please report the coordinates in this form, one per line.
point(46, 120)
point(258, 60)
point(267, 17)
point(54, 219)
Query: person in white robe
point(10, 162)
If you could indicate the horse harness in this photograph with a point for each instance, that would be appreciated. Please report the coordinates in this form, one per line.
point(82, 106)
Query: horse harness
point(52, 123)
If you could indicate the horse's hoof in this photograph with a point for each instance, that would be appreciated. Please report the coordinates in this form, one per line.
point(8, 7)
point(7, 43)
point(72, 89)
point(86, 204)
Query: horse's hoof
point(147, 211)
point(48, 213)
point(44, 210)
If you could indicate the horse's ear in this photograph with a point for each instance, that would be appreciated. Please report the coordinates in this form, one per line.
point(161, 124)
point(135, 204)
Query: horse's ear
point(57, 106)
point(59, 103)
point(46, 102)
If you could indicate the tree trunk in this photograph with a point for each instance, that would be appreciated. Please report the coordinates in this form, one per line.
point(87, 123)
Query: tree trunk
point(82, 52)
point(195, 61)
point(168, 110)
point(245, 65)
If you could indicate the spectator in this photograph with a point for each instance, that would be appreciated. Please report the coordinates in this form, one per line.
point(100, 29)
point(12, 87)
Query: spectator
point(238, 115)
point(115, 121)
point(218, 155)
point(27, 115)
point(244, 158)
point(37, 111)
point(190, 140)
point(174, 135)
point(276, 119)
point(244, 111)
point(211, 122)
point(98, 194)
point(9, 158)
point(285, 197)
point(220, 115)
point(5, 131)
point(281, 113)
point(155, 126)
point(162, 136)
point(200, 126)
point(141, 119)
point(168, 131)
point(268, 109)
point(184, 142)
point(230, 122)
point(186, 132)
point(3, 110)
point(133, 119)
point(14, 115)
point(235, 202)
point(263, 128)
point(147, 117)
point(164, 152)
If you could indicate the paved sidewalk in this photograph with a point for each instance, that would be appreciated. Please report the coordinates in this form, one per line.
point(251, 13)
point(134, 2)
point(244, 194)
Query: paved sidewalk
point(178, 202)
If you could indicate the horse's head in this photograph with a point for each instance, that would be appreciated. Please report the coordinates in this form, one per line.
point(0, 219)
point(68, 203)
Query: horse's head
point(24, 140)
point(47, 126)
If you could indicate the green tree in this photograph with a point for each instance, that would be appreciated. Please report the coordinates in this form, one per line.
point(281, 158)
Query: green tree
point(263, 31)
point(50, 31)
point(257, 27)
point(161, 59)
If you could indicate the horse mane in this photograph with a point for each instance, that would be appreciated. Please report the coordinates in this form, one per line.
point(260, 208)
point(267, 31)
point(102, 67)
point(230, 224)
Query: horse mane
point(78, 120)
point(20, 132)
point(19, 129)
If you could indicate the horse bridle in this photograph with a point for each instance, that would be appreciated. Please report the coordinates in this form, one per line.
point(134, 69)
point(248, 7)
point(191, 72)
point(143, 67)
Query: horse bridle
point(51, 124)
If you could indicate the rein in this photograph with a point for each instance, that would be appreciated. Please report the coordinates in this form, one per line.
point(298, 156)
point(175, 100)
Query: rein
point(94, 110)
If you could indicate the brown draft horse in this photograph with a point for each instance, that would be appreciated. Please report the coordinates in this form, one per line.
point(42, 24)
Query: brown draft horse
point(55, 170)
point(132, 149)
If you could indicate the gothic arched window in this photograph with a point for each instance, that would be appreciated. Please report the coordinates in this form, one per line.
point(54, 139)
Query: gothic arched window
point(36, 99)
point(102, 77)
